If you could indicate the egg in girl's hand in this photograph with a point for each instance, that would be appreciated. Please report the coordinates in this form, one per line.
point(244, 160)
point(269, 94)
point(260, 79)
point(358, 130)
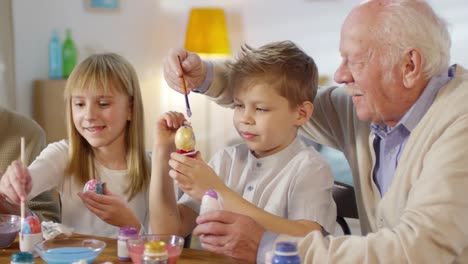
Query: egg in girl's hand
point(185, 140)
point(94, 185)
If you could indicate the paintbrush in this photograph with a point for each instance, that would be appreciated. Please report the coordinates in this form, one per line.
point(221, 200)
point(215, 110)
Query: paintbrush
point(187, 105)
point(23, 161)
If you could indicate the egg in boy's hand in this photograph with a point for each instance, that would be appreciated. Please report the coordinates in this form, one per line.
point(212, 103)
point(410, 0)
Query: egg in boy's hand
point(185, 140)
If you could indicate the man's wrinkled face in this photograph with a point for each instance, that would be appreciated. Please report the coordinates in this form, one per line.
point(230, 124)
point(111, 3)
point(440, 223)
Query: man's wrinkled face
point(376, 98)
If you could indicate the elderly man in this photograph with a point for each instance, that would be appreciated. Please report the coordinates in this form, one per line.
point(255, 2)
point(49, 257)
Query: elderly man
point(400, 119)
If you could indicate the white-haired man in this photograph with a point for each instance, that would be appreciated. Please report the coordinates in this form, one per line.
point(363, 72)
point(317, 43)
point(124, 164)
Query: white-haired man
point(400, 119)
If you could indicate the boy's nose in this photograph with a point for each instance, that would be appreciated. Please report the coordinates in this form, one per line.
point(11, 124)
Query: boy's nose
point(247, 118)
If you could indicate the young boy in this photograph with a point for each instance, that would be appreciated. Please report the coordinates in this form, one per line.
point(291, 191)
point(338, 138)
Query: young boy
point(271, 177)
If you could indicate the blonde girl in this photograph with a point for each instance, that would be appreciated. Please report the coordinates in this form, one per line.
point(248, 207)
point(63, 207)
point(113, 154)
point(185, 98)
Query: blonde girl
point(105, 142)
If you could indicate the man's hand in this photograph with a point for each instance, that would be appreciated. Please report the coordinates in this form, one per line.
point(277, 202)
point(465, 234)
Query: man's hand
point(230, 234)
point(193, 69)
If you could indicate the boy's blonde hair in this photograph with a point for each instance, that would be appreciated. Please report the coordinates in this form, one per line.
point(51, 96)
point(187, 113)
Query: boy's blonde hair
point(281, 65)
point(107, 73)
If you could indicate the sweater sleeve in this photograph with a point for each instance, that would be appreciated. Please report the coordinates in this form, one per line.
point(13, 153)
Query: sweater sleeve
point(46, 206)
point(218, 90)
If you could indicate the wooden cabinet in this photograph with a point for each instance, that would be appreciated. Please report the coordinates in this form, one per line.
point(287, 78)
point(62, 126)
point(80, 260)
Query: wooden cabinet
point(49, 108)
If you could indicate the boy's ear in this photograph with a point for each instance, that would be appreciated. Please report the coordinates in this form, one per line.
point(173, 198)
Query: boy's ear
point(304, 112)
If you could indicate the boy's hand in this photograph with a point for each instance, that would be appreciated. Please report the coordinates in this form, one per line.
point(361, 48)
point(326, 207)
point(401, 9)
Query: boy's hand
point(193, 69)
point(193, 175)
point(16, 183)
point(111, 208)
point(166, 128)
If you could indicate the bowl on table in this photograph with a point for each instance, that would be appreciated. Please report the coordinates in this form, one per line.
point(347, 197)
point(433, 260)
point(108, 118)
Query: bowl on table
point(174, 244)
point(68, 250)
point(9, 227)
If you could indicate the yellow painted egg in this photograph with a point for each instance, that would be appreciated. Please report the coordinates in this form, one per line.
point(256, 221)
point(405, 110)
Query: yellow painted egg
point(185, 138)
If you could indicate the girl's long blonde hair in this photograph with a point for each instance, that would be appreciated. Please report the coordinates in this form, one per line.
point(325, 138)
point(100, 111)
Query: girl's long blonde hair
point(105, 73)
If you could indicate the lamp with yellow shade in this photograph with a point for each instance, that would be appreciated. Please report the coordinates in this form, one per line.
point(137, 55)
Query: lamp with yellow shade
point(207, 32)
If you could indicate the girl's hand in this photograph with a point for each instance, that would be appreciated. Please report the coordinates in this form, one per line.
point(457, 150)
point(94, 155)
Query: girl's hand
point(16, 183)
point(166, 128)
point(193, 175)
point(111, 208)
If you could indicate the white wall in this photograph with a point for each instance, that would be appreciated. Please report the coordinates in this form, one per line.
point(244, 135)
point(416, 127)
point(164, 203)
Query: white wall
point(144, 30)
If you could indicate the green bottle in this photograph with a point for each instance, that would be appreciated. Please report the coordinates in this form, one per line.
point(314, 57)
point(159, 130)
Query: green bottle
point(69, 55)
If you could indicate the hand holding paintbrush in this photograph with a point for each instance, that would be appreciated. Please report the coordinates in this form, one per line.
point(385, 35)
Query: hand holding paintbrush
point(15, 184)
point(30, 230)
point(188, 64)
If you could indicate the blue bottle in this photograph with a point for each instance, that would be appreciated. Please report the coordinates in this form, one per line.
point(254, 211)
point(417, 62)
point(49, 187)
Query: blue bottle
point(286, 253)
point(55, 57)
point(22, 258)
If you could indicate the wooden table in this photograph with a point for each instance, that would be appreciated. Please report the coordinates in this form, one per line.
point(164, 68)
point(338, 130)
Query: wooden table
point(110, 253)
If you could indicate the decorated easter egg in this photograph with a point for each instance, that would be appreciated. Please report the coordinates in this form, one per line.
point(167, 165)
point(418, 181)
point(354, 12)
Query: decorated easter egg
point(31, 225)
point(211, 201)
point(94, 185)
point(185, 139)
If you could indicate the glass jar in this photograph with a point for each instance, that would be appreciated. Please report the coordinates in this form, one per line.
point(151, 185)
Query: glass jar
point(124, 234)
point(155, 253)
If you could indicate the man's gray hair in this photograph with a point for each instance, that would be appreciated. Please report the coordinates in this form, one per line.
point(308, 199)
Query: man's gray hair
point(407, 24)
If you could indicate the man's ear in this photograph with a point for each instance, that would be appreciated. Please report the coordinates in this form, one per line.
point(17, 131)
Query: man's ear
point(304, 112)
point(412, 67)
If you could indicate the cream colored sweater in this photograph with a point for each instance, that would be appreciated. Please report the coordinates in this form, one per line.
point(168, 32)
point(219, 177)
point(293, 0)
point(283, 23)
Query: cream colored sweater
point(423, 218)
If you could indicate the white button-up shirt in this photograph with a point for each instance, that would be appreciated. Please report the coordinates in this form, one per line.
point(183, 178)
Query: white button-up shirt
point(295, 183)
